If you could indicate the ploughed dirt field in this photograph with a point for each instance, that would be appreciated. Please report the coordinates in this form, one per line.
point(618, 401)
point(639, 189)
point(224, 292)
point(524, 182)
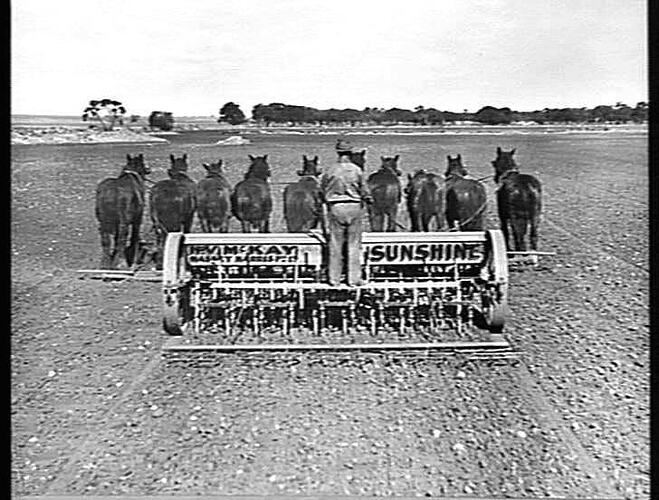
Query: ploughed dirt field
point(96, 410)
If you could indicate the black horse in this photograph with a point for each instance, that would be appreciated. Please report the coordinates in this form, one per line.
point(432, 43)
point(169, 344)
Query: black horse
point(519, 200)
point(119, 208)
point(214, 200)
point(358, 158)
point(173, 202)
point(251, 202)
point(425, 200)
point(387, 194)
point(303, 202)
point(466, 199)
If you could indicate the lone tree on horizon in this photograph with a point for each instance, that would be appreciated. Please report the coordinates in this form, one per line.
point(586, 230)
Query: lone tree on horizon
point(106, 111)
point(232, 114)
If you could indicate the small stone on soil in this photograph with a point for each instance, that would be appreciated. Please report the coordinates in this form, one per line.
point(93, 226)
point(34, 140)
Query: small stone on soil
point(459, 447)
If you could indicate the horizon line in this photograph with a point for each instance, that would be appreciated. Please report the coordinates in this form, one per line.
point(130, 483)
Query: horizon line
point(357, 109)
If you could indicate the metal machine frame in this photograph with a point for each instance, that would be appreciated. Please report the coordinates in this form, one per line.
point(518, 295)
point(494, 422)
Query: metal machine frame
point(436, 281)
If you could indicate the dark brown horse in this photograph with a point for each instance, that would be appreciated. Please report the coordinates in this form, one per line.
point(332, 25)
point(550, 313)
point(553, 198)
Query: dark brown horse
point(358, 158)
point(387, 194)
point(519, 200)
point(251, 202)
point(214, 200)
point(119, 208)
point(466, 199)
point(303, 202)
point(425, 200)
point(173, 202)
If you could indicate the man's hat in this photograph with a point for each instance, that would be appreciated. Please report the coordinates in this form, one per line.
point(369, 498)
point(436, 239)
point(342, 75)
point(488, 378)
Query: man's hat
point(343, 146)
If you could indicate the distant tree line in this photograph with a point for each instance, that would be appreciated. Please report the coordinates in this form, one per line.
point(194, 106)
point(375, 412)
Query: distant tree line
point(287, 113)
point(108, 112)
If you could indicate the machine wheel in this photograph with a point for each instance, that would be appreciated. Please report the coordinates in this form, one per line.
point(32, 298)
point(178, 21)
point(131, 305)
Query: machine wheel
point(175, 294)
point(172, 321)
point(495, 316)
point(496, 299)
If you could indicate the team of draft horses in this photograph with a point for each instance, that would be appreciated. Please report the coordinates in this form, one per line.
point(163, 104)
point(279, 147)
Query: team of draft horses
point(456, 202)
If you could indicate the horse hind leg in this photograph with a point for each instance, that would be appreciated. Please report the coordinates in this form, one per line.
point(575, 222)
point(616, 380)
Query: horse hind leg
point(187, 224)
point(224, 226)
point(371, 218)
point(425, 223)
point(505, 230)
point(391, 220)
point(206, 226)
point(212, 227)
point(161, 235)
point(519, 233)
point(533, 233)
point(261, 227)
point(440, 218)
point(415, 224)
point(475, 225)
point(377, 221)
point(106, 248)
point(120, 244)
point(133, 248)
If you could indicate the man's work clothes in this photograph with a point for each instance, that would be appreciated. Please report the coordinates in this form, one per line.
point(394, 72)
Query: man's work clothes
point(345, 227)
point(344, 191)
point(344, 181)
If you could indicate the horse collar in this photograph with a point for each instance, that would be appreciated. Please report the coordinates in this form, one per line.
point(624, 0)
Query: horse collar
point(507, 173)
point(136, 174)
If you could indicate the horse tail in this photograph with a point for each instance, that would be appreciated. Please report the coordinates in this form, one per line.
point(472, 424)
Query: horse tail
point(158, 227)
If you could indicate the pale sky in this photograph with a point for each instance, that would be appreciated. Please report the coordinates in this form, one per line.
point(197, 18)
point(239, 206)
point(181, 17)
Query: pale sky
point(190, 57)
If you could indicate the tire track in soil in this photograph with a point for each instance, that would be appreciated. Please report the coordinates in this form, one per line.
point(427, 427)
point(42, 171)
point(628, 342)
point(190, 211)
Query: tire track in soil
point(597, 248)
point(533, 386)
point(37, 389)
point(552, 420)
point(68, 470)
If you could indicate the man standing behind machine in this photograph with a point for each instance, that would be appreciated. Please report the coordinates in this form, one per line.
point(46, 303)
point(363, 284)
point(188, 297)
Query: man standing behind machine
point(345, 192)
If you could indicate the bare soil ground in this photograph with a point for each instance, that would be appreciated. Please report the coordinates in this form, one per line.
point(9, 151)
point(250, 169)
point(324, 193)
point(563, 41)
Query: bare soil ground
point(95, 410)
point(73, 135)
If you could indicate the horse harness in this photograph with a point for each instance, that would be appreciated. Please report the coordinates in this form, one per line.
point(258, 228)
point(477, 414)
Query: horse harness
point(507, 173)
point(142, 194)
